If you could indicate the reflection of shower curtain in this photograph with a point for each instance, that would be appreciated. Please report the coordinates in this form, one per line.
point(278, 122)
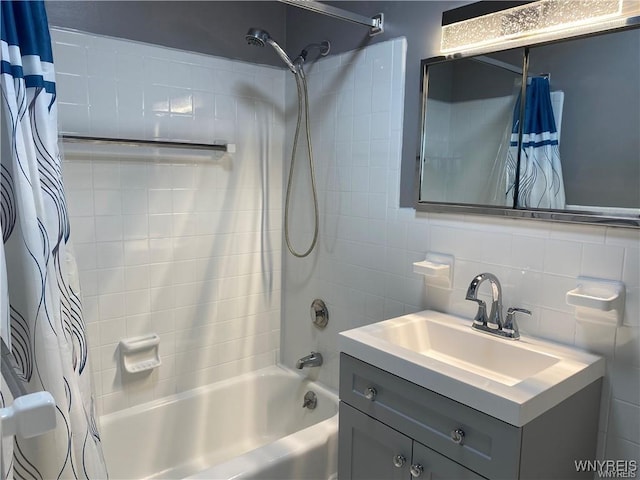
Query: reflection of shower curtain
point(541, 184)
point(40, 308)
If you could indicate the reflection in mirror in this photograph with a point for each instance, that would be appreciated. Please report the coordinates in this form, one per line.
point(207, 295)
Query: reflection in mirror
point(599, 144)
point(472, 117)
point(467, 124)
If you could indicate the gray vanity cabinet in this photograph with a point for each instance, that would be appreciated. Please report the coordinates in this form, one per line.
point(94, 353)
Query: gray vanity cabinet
point(384, 418)
point(369, 448)
point(372, 450)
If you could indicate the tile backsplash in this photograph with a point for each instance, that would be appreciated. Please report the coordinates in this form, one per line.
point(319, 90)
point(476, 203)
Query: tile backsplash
point(184, 245)
point(362, 267)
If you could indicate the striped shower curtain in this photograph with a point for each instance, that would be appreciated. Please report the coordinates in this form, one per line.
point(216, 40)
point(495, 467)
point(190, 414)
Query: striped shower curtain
point(40, 308)
point(541, 184)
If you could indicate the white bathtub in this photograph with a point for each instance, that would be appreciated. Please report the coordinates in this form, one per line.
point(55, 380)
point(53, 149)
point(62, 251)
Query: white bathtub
point(252, 426)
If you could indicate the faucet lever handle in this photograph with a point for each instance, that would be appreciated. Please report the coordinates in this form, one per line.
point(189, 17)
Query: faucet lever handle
point(510, 322)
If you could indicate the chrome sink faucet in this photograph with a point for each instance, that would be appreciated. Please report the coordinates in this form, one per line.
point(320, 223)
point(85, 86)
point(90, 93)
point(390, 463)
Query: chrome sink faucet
point(493, 323)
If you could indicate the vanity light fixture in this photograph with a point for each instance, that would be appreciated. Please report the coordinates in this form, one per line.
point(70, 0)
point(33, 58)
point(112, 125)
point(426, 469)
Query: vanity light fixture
point(535, 22)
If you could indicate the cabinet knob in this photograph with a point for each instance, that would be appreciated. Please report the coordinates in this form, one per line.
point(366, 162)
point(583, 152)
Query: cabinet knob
point(399, 461)
point(416, 470)
point(457, 436)
point(370, 393)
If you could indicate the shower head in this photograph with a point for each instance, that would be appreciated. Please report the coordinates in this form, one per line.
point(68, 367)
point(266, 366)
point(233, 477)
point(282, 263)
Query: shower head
point(259, 37)
point(322, 47)
point(256, 36)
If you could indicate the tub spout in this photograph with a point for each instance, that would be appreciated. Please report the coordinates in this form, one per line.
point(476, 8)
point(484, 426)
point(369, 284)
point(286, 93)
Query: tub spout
point(312, 360)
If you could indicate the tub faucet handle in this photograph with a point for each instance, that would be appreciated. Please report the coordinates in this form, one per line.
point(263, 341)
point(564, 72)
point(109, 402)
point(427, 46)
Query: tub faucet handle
point(310, 400)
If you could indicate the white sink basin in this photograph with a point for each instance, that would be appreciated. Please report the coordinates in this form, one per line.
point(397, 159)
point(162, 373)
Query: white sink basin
point(514, 381)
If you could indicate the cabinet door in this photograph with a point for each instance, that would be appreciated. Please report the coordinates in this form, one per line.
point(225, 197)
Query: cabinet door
point(439, 467)
point(369, 450)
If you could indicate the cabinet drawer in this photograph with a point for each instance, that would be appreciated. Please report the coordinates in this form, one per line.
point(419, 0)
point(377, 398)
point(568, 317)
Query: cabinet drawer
point(490, 447)
point(439, 467)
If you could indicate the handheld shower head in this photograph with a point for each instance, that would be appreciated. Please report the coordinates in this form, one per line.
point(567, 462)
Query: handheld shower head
point(256, 36)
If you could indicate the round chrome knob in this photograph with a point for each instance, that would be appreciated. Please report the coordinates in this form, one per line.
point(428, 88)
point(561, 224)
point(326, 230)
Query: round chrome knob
point(457, 436)
point(416, 470)
point(399, 461)
point(370, 393)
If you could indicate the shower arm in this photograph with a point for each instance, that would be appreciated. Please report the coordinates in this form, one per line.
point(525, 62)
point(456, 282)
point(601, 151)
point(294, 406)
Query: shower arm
point(375, 23)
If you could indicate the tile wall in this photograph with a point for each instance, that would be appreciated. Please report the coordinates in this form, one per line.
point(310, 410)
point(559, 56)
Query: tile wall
point(188, 247)
point(362, 266)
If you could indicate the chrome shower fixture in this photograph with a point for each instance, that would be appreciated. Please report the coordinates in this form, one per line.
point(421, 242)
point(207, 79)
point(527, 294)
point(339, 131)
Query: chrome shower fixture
point(322, 47)
point(259, 37)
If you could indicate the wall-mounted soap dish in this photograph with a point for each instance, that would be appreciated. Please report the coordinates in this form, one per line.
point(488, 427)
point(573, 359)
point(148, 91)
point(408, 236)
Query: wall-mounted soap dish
point(437, 269)
point(598, 301)
point(140, 353)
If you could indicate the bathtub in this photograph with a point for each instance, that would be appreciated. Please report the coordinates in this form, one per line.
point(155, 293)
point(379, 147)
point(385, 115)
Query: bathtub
point(252, 426)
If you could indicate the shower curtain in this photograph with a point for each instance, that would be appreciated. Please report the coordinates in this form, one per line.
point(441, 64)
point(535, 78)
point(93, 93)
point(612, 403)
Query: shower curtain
point(40, 307)
point(541, 184)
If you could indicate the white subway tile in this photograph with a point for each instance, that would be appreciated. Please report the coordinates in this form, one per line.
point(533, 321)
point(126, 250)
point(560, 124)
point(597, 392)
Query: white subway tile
point(110, 280)
point(73, 119)
point(160, 226)
point(628, 346)
point(111, 307)
point(107, 202)
point(160, 200)
point(80, 202)
point(136, 277)
point(137, 302)
point(563, 257)
point(624, 420)
point(109, 254)
point(130, 95)
point(599, 339)
point(72, 89)
point(137, 252)
point(625, 381)
point(557, 326)
point(602, 261)
point(106, 175)
point(527, 253)
point(70, 59)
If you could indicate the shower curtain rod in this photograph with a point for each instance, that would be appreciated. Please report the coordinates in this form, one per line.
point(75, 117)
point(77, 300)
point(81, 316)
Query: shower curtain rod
point(225, 147)
point(375, 23)
point(506, 66)
point(498, 63)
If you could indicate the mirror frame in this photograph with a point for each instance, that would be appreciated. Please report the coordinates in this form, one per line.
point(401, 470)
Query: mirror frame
point(579, 216)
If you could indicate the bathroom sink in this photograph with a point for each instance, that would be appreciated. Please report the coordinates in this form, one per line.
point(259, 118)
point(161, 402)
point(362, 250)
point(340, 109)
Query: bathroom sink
point(514, 381)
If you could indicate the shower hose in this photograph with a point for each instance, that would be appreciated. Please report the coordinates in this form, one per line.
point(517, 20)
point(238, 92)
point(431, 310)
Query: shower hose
point(303, 104)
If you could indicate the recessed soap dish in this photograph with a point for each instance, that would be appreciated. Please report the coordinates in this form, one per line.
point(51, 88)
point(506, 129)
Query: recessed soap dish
point(140, 354)
point(597, 300)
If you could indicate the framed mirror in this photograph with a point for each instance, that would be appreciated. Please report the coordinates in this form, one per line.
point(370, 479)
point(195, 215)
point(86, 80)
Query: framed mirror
point(572, 156)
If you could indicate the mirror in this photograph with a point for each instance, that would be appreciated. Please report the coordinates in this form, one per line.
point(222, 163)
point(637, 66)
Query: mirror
point(471, 132)
point(467, 126)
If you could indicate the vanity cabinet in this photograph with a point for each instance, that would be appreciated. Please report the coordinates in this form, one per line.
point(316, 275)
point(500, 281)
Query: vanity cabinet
point(373, 450)
point(384, 419)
